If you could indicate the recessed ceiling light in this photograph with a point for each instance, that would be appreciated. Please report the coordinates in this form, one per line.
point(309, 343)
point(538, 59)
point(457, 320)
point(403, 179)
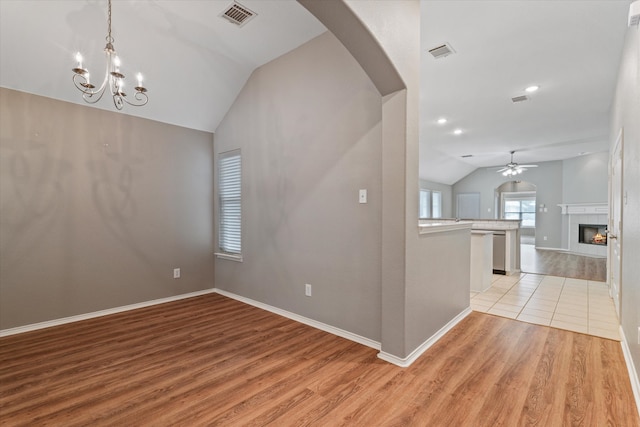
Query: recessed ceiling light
point(531, 89)
point(457, 131)
point(442, 121)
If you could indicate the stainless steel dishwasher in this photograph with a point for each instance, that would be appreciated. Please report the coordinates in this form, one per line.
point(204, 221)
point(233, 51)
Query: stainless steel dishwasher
point(499, 252)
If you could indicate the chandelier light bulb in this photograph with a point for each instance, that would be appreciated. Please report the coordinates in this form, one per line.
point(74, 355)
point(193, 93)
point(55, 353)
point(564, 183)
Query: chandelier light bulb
point(139, 77)
point(116, 61)
point(79, 59)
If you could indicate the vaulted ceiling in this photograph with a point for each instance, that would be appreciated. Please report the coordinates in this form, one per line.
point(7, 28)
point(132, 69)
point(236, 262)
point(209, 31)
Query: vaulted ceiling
point(570, 49)
point(195, 63)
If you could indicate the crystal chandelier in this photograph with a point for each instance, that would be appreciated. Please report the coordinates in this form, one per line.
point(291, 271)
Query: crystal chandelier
point(113, 78)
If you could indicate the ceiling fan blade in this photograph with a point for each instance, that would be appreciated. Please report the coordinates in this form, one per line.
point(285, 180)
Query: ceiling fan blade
point(528, 166)
point(500, 170)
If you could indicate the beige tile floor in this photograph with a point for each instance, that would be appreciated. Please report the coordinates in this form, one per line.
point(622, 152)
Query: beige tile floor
point(573, 304)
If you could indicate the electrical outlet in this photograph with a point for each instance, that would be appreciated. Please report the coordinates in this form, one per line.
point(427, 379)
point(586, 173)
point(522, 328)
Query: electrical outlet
point(544, 238)
point(176, 273)
point(307, 290)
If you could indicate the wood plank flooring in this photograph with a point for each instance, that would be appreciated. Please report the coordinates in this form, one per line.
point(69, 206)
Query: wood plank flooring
point(214, 361)
point(556, 263)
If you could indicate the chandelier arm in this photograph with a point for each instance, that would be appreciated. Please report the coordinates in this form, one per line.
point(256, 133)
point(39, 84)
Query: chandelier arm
point(89, 97)
point(139, 96)
point(87, 94)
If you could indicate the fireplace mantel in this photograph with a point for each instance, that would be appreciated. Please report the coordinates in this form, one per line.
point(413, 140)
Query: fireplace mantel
point(585, 208)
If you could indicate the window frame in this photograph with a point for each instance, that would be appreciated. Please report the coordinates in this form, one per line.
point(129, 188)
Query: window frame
point(430, 205)
point(519, 197)
point(229, 191)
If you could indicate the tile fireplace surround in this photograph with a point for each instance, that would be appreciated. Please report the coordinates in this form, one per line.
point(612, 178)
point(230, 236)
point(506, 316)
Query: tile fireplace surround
point(585, 213)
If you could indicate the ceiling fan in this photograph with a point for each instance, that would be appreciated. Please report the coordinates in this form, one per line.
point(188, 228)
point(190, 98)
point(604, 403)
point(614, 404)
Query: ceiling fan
point(513, 168)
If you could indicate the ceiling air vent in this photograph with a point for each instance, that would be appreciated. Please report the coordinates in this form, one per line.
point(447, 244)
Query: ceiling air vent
point(466, 156)
point(237, 14)
point(520, 98)
point(442, 51)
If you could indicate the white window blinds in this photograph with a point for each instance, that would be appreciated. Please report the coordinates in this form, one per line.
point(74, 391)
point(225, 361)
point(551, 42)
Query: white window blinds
point(229, 190)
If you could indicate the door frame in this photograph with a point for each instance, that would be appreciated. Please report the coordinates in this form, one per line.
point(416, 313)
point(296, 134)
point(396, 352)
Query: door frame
point(615, 287)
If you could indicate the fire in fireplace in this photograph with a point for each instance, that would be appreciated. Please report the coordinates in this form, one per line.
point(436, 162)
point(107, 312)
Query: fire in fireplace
point(592, 234)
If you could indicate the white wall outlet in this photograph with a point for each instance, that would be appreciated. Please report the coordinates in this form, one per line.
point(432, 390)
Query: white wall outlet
point(362, 196)
point(307, 290)
point(544, 238)
point(176, 273)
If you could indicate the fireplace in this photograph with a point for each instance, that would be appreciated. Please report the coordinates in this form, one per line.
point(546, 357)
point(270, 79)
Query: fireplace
point(592, 234)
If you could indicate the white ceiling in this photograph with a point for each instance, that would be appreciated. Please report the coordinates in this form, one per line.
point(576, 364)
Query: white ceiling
point(195, 63)
point(571, 49)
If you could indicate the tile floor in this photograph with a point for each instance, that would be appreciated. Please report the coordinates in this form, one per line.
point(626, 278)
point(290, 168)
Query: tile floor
point(573, 304)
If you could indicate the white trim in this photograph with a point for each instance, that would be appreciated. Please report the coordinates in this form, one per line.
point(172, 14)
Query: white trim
point(415, 354)
point(584, 208)
point(441, 227)
point(85, 316)
point(307, 321)
point(230, 257)
point(633, 374)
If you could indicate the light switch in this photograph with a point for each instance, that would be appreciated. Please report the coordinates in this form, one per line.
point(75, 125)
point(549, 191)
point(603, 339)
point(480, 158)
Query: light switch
point(362, 196)
point(545, 209)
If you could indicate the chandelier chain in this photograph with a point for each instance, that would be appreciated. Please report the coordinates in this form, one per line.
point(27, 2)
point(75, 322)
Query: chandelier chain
point(109, 38)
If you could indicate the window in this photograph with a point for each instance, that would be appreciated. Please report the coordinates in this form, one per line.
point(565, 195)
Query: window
point(229, 192)
point(430, 204)
point(518, 206)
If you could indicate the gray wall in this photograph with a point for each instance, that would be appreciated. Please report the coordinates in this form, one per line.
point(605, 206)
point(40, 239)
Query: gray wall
point(625, 113)
point(309, 127)
point(585, 179)
point(97, 208)
point(547, 178)
point(447, 194)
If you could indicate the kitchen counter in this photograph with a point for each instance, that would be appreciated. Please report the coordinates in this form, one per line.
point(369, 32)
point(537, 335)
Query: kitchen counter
point(510, 249)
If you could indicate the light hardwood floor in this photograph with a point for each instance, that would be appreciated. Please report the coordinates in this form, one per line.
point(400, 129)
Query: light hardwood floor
point(557, 263)
point(212, 361)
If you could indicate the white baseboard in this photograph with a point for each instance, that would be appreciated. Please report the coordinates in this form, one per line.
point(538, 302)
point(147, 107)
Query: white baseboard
point(407, 361)
point(633, 374)
point(77, 318)
point(310, 322)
